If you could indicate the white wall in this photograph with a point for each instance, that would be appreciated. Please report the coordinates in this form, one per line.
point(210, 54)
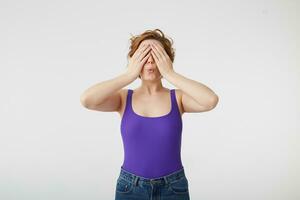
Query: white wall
point(246, 51)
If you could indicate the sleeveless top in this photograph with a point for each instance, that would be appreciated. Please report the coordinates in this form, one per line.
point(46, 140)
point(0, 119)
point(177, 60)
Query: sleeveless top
point(152, 145)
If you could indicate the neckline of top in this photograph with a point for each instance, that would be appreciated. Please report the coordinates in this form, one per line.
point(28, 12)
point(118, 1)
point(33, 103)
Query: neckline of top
point(148, 117)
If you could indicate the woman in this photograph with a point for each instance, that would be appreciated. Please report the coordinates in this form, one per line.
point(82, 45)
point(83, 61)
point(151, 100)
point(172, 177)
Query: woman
point(151, 118)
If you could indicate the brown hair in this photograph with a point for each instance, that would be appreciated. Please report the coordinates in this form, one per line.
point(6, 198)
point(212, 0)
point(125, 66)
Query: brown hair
point(156, 34)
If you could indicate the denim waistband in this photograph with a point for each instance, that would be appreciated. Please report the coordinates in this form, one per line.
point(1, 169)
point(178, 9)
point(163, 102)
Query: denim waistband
point(124, 174)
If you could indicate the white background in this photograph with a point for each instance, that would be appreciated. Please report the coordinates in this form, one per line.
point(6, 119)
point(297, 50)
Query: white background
point(247, 52)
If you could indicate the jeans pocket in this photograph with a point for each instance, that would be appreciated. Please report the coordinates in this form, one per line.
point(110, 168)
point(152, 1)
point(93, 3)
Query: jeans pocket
point(180, 186)
point(123, 186)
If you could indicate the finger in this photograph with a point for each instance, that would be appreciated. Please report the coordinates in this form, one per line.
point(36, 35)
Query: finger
point(141, 50)
point(137, 52)
point(154, 56)
point(156, 51)
point(142, 47)
point(163, 51)
point(160, 49)
point(145, 58)
point(142, 54)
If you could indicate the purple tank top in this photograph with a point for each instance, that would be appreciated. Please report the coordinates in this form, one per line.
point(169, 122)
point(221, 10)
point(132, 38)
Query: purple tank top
point(152, 145)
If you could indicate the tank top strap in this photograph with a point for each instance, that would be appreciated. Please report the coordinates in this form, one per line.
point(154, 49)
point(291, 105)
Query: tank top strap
point(128, 100)
point(173, 97)
point(129, 94)
point(174, 101)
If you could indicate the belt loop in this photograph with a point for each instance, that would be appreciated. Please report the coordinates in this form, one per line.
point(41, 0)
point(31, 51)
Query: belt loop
point(166, 180)
point(135, 180)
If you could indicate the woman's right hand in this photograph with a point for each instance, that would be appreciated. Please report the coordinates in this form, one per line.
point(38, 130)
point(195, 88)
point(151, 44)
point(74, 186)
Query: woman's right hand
point(137, 61)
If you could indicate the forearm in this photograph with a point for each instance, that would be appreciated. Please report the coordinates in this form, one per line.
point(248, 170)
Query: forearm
point(198, 91)
point(97, 93)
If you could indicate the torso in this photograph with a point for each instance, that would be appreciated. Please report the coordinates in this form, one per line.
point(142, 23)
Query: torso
point(150, 106)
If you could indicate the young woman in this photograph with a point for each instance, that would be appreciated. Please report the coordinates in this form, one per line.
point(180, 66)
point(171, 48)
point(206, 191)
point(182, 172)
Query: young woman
point(151, 118)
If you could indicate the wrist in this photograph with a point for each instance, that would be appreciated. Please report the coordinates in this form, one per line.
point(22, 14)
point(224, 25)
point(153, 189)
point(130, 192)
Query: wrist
point(169, 73)
point(129, 76)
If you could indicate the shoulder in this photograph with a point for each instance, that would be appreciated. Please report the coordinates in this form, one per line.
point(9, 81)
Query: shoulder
point(178, 94)
point(123, 95)
point(124, 92)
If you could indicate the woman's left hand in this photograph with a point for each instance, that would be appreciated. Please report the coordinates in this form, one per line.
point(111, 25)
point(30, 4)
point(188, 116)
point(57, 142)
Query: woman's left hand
point(161, 58)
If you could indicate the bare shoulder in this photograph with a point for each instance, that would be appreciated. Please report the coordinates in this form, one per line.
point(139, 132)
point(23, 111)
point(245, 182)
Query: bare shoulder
point(123, 92)
point(123, 95)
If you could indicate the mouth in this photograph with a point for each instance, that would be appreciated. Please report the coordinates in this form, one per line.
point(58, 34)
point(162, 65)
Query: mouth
point(150, 70)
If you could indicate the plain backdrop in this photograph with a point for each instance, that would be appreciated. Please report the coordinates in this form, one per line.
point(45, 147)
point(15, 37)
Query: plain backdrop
point(247, 52)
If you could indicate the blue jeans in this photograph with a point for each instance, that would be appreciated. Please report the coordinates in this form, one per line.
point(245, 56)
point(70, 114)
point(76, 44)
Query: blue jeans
point(173, 186)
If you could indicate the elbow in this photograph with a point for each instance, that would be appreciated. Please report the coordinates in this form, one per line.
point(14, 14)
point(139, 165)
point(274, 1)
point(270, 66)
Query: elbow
point(83, 101)
point(214, 101)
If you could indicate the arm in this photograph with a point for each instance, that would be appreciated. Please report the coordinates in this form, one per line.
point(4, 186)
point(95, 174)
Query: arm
point(105, 96)
point(195, 96)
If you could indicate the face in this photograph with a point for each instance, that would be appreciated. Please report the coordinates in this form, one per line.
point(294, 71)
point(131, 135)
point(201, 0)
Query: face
point(150, 70)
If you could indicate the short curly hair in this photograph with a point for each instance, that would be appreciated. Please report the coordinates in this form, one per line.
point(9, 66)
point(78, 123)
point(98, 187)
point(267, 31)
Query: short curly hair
point(156, 34)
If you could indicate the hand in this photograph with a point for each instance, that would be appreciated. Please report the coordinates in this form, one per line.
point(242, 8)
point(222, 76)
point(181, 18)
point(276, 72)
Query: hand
point(161, 58)
point(137, 61)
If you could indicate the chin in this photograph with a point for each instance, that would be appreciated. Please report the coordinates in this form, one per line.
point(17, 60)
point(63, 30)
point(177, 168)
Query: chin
point(150, 78)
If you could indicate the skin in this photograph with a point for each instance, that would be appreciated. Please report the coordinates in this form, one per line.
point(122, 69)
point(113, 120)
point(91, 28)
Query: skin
point(109, 95)
point(151, 92)
point(151, 82)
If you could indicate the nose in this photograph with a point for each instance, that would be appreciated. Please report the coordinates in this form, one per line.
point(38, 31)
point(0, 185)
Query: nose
point(150, 59)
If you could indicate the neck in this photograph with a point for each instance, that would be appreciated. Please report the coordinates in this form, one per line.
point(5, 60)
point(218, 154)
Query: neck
point(151, 87)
